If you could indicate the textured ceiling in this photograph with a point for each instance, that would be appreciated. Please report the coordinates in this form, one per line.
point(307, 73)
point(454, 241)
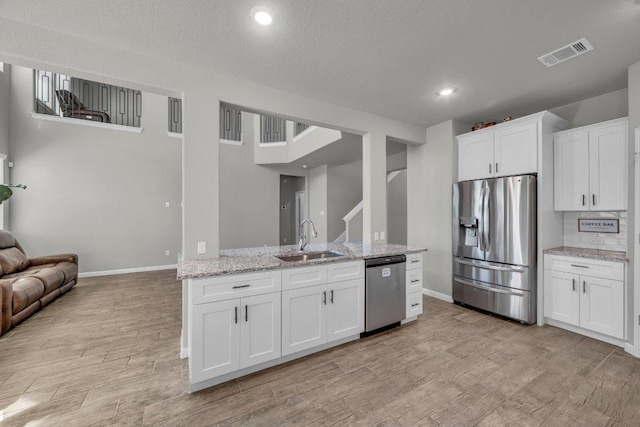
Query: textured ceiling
point(387, 57)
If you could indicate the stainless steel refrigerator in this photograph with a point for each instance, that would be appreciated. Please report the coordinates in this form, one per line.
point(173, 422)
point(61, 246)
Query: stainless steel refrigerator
point(494, 245)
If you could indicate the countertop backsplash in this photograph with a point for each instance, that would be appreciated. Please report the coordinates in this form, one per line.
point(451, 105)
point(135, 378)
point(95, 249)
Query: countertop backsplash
point(607, 241)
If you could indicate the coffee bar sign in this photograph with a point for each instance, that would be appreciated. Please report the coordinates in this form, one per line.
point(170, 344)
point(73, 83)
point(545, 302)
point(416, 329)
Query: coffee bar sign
point(598, 225)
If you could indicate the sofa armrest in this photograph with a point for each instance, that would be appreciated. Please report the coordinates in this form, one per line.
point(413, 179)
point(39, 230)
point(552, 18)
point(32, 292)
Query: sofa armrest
point(6, 305)
point(50, 259)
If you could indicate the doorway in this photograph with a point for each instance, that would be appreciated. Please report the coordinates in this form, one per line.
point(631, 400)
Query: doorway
point(292, 207)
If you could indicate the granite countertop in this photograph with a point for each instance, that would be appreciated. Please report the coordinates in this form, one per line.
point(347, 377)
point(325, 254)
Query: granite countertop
point(599, 254)
point(234, 261)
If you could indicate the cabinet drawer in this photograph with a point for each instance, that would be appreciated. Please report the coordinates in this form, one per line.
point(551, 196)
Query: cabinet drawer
point(586, 267)
point(414, 304)
point(414, 261)
point(294, 278)
point(221, 288)
point(345, 271)
point(414, 280)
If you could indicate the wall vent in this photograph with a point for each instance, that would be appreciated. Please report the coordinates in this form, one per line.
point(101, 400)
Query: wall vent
point(567, 52)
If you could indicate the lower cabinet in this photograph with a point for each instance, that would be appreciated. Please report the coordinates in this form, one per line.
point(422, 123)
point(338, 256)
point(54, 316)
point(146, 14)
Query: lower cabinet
point(319, 314)
point(414, 285)
point(589, 302)
point(234, 334)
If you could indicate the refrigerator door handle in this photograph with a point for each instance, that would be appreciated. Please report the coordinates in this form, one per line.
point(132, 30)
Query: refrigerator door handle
point(489, 267)
point(485, 218)
point(481, 221)
point(488, 288)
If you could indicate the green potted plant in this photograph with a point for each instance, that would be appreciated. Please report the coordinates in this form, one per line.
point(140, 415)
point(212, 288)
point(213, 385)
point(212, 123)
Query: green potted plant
point(6, 191)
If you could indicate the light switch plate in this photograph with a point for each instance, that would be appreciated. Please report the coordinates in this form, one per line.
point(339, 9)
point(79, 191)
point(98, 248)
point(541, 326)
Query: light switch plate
point(167, 204)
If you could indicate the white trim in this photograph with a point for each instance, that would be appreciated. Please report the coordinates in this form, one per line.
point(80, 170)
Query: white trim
point(437, 295)
point(587, 333)
point(174, 135)
point(230, 142)
point(273, 144)
point(128, 270)
point(636, 256)
point(631, 349)
point(353, 212)
point(304, 132)
point(68, 120)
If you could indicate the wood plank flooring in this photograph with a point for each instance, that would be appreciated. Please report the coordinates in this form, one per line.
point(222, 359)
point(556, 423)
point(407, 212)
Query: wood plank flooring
point(107, 353)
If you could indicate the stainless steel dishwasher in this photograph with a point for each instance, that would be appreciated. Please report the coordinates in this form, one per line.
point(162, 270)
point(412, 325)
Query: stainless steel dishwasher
point(385, 292)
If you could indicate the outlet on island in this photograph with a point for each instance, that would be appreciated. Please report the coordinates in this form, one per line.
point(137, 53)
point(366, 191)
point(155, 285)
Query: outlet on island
point(202, 247)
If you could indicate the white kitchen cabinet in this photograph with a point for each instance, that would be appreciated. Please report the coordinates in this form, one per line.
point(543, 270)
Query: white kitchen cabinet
point(577, 294)
point(602, 306)
point(345, 307)
point(316, 315)
point(260, 329)
point(561, 297)
point(590, 166)
point(510, 148)
point(304, 318)
point(413, 287)
point(215, 340)
point(234, 334)
point(516, 150)
point(475, 156)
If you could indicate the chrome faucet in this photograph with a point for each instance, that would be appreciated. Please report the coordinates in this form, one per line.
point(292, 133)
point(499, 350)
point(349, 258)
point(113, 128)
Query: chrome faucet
point(303, 236)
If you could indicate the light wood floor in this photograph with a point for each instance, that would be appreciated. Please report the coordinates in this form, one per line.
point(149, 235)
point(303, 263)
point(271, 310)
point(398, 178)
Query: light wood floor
point(107, 353)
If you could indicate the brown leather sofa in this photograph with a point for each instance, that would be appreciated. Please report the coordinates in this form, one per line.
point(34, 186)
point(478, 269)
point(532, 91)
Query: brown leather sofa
point(28, 284)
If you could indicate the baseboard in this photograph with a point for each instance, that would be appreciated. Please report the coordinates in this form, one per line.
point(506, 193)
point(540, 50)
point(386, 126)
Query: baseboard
point(438, 295)
point(127, 270)
point(591, 334)
point(631, 349)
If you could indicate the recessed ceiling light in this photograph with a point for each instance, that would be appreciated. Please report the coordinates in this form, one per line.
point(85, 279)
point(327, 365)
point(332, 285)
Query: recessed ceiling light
point(446, 91)
point(261, 16)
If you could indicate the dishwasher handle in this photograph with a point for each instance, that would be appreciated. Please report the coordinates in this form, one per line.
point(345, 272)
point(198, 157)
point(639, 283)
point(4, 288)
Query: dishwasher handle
point(387, 260)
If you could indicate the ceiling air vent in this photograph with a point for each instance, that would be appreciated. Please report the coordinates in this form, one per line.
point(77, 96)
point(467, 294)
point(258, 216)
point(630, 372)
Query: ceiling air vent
point(567, 52)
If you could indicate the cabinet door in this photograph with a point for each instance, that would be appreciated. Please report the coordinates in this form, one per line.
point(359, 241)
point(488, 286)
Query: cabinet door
point(304, 318)
point(260, 329)
point(571, 171)
point(475, 157)
point(562, 297)
point(516, 150)
point(608, 168)
point(345, 315)
point(215, 340)
point(602, 305)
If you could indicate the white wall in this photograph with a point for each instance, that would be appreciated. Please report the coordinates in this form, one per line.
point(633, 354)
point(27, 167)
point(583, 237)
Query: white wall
point(249, 195)
point(608, 106)
point(344, 192)
point(5, 103)
point(318, 202)
point(634, 122)
point(96, 192)
point(397, 209)
point(431, 172)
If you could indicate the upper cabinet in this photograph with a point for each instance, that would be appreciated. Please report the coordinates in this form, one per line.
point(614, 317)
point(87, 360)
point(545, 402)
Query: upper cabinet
point(510, 148)
point(590, 165)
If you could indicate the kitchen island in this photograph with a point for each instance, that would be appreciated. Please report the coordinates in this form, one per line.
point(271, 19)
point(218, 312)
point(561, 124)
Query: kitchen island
point(250, 310)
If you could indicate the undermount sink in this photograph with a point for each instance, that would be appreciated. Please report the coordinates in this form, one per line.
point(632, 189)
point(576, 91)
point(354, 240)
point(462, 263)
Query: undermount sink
point(310, 256)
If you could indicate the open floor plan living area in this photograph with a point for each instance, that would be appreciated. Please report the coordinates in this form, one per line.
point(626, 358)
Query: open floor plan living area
point(344, 213)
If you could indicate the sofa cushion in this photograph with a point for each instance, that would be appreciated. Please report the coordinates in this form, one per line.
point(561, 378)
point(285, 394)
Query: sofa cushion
point(69, 269)
point(51, 278)
point(6, 240)
point(26, 290)
point(12, 260)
